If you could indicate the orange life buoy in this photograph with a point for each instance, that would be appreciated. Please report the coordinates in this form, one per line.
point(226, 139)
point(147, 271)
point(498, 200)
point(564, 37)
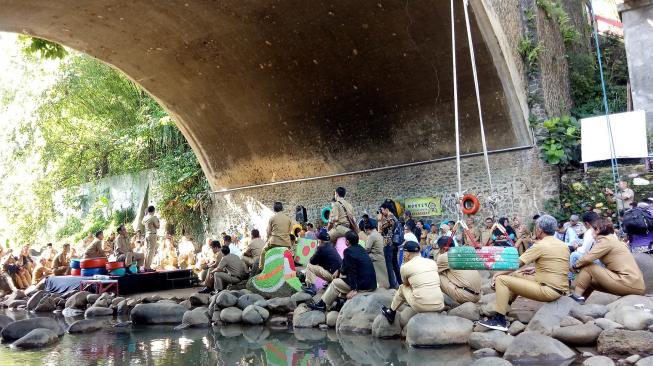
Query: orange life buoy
point(470, 204)
point(93, 263)
point(115, 265)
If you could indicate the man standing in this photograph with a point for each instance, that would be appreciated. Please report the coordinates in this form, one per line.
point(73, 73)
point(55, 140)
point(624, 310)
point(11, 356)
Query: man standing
point(253, 251)
point(460, 286)
point(151, 223)
point(338, 222)
point(546, 282)
point(323, 264)
point(420, 287)
point(356, 274)
point(625, 198)
point(230, 270)
point(61, 263)
point(95, 249)
point(278, 232)
point(386, 222)
point(375, 250)
point(123, 251)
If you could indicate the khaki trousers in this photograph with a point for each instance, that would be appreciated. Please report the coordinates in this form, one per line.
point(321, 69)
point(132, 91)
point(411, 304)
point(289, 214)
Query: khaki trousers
point(337, 288)
point(458, 294)
point(129, 257)
point(150, 250)
point(381, 273)
point(261, 261)
point(249, 261)
point(222, 280)
point(313, 272)
point(405, 295)
point(208, 280)
point(508, 287)
point(61, 271)
point(594, 277)
point(338, 231)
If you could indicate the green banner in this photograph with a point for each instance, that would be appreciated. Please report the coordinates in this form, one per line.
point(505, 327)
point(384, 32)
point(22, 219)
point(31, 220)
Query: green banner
point(424, 206)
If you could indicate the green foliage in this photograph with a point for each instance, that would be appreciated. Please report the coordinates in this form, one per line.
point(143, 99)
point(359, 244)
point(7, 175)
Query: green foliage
point(555, 11)
point(560, 142)
point(124, 216)
point(45, 49)
point(71, 228)
point(530, 52)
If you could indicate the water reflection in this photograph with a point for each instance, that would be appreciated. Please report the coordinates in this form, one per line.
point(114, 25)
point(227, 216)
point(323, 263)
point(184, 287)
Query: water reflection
point(227, 345)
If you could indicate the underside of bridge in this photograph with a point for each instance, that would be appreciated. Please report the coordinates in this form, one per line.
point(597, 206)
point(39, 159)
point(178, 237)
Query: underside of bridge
point(276, 90)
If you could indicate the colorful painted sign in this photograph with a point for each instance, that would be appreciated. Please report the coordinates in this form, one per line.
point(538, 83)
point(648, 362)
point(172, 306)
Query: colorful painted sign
point(423, 207)
point(305, 250)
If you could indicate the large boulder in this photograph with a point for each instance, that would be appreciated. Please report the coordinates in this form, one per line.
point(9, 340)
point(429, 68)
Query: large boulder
point(589, 310)
point(647, 361)
point(619, 342)
point(533, 348)
point(300, 297)
point(434, 329)
point(198, 299)
point(468, 310)
point(96, 311)
point(35, 299)
point(281, 305)
point(303, 317)
point(602, 298)
point(578, 335)
point(4, 321)
point(85, 326)
point(516, 327)
point(631, 318)
point(15, 304)
point(225, 300)
point(254, 314)
point(636, 301)
point(20, 328)
point(36, 338)
point(104, 301)
point(47, 304)
point(381, 328)
point(248, 299)
point(231, 315)
point(78, 300)
point(598, 361)
point(493, 339)
point(332, 319)
point(548, 317)
point(490, 361)
point(153, 313)
point(358, 314)
point(197, 318)
point(645, 263)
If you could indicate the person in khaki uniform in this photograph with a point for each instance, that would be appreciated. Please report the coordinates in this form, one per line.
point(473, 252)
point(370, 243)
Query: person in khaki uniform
point(41, 271)
point(210, 266)
point(278, 232)
point(338, 223)
point(151, 223)
point(524, 239)
point(374, 247)
point(95, 249)
point(123, 251)
point(461, 286)
point(61, 262)
point(254, 249)
point(420, 287)
point(621, 274)
point(485, 236)
point(546, 282)
point(230, 270)
point(474, 230)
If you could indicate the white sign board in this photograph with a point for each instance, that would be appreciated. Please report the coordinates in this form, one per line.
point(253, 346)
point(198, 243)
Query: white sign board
point(628, 134)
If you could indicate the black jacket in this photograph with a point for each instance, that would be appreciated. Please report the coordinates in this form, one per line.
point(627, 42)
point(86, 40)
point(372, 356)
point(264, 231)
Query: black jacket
point(358, 268)
point(327, 257)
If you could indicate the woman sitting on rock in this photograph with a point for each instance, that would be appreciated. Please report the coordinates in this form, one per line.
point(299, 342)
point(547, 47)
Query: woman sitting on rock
point(620, 276)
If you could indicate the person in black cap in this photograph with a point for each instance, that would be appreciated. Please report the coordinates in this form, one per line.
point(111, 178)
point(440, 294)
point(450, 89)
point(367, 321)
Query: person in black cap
point(324, 263)
point(420, 287)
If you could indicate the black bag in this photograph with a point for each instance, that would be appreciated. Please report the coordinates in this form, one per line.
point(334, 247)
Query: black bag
point(398, 233)
point(638, 221)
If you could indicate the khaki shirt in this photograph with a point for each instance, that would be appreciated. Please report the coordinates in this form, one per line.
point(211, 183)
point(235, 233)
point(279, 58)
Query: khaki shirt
point(616, 257)
point(476, 233)
point(151, 224)
point(234, 266)
point(624, 198)
point(374, 244)
point(432, 239)
point(551, 258)
point(485, 236)
point(279, 229)
point(94, 250)
point(39, 273)
point(462, 279)
point(421, 275)
point(254, 248)
point(338, 215)
point(61, 260)
point(121, 245)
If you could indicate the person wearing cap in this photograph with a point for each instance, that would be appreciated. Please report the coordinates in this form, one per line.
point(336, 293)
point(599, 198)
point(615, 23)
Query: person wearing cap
point(460, 286)
point(420, 287)
point(546, 282)
point(323, 264)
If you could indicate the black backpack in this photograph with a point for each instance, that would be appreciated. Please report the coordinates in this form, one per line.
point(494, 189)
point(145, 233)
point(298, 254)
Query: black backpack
point(637, 221)
point(398, 233)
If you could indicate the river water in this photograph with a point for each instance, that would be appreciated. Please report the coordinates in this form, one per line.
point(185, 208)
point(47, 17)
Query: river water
point(225, 345)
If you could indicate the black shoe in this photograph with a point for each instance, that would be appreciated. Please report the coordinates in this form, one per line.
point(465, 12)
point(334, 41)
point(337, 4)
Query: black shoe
point(389, 314)
point(339, 303)
point(497, 322)
point(205, 290)
point(319, 306)
point(310, 290)
point(578, 299)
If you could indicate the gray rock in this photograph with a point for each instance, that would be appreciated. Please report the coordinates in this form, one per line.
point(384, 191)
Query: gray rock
point(493, 339)
point(186, 304)
point(606, 324)
point(303, 317)
point(85, 326)
point(196, 318)
point(578, 335)
point(254, 314)
point(536, 348)
point(647, 361)
point(92, 298)
point(516, 327)
point(216, 316)
point(198, 299)
point(225, 300)
point(14, 304)
point(631, 300)
point(433, 329)
point(281, 305)
point(231, 315)
point(116, 301)
point(618, 342)
point(592, 310)
point(468, 310)
point(16, 295)
point(645, 263)
point(47, 304)
point(550, 314)
point(569, 321)
point(382, 329)
point(300, 297)
point(404, 316)
point(20, 328)
point(35, 299)
point(358, 314)
point(633, 359)
point(602, 298)
point(95, 311)
point(4, 321)
point(72, 312)
point(491, 361)
point(332, 319)
point(278, 322)
point(103, 301)
point(248, 299)
point(630, 317)
point(152, 299)
point(522, 315)
point(78, 300)
point(123, 307)
point(262, 303)
point(485, 352)
point(36, 338)
point(598, 361)
point(153, 313)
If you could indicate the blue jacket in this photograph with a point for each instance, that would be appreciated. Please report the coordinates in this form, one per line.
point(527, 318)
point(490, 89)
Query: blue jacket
point(358, 268)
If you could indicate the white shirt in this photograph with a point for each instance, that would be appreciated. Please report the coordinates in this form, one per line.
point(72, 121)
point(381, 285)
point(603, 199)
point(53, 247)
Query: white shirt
point(588, 241)
point(410, 237)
